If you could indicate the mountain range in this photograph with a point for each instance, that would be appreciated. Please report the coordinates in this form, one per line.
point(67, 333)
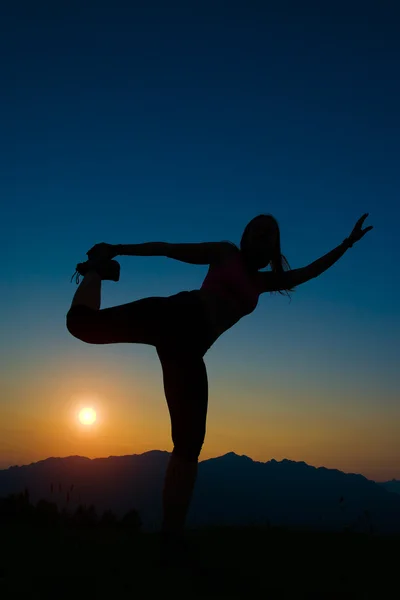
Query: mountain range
point(230, 490)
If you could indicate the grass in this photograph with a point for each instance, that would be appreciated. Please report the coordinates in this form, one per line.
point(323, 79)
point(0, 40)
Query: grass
point(246, 562)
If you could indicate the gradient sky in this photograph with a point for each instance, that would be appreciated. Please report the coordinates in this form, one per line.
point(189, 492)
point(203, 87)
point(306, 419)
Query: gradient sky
point(180, 121)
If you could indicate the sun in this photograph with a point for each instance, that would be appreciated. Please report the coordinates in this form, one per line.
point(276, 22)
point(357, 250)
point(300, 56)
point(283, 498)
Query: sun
point(87, 416)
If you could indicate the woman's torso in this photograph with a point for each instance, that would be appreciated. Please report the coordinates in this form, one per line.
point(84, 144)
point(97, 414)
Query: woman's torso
point(229, 292)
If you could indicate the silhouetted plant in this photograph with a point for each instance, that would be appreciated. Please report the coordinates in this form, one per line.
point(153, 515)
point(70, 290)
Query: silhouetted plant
point(108, 519)
point(362, 523)
point(66, 517)
point(46, 513)
point(16, 507)
point(131, 521)
point(85, 516)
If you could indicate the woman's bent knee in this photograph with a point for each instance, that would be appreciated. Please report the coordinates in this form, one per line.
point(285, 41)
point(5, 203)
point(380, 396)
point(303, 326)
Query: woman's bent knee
point(79, 322)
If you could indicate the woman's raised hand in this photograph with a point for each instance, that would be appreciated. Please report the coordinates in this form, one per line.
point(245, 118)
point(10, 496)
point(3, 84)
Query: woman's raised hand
point(102, 251)
point(357, 232)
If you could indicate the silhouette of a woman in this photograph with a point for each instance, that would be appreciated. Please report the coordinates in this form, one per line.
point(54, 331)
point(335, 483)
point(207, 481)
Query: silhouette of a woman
point(184, 326)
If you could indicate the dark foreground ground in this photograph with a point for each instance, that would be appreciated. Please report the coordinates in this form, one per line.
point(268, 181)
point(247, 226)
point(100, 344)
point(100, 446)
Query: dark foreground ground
point(236, 563)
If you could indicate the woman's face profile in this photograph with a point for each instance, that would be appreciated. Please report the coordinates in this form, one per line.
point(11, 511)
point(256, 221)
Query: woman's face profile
point(260, 241)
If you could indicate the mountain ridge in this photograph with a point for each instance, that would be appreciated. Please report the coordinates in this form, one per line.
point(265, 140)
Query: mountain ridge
point(231, 489)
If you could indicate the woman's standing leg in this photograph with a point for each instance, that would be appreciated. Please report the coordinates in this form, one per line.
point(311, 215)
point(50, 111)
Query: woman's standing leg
point(186, 391)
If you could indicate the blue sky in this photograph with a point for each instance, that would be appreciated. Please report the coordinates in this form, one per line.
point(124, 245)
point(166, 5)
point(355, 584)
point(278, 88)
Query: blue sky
point(180, 122)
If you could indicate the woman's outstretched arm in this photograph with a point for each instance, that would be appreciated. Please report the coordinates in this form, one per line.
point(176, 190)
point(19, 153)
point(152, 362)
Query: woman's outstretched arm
point(273, 282)
point(146, 249)
point(319, 266)
point(203, 253)
point(288, 279)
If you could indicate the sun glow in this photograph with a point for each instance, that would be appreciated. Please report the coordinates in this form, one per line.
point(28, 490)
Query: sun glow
point(87, 416)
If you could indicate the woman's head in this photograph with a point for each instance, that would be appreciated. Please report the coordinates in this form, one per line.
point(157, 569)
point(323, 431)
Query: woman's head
point(260, 241)
point(261, 244)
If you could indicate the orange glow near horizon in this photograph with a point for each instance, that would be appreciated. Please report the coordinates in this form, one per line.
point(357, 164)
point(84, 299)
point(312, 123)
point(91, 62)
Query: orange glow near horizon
point(130, 416)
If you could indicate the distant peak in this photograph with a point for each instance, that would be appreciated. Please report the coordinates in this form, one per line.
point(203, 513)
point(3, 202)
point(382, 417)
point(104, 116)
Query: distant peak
point(233, 455)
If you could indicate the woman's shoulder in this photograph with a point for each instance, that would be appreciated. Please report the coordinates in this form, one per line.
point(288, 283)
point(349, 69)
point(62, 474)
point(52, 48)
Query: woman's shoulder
point(228, 251)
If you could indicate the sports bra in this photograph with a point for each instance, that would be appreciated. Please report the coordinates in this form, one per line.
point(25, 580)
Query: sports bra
point(231, 281)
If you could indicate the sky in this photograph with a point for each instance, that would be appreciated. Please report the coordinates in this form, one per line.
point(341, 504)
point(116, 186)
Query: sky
point(179, 122)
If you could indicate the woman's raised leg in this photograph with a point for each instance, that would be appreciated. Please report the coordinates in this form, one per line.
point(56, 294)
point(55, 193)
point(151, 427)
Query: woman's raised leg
point(140, 322)
point(89, 291)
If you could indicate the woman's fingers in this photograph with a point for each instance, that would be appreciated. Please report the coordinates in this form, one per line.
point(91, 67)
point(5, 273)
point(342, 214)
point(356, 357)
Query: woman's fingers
point(362, 219)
